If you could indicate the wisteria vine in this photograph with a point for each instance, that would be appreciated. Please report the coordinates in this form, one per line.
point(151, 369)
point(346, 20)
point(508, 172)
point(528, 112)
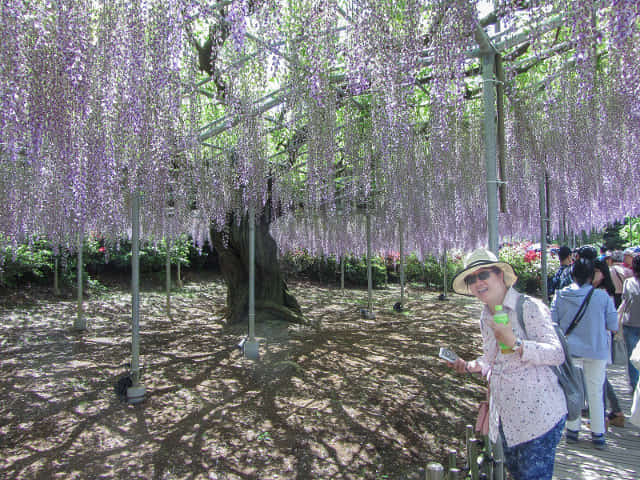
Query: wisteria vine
point(331, 110)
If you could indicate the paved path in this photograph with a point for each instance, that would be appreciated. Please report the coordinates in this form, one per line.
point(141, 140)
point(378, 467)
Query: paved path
point(621, 459)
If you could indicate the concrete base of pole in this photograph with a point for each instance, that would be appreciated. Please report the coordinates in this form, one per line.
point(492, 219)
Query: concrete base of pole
point(367, 314)
point(135, 393)
point(251, 349)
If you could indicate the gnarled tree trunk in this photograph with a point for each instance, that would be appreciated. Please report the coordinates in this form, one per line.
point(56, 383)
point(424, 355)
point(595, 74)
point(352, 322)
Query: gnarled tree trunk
point(273, 299)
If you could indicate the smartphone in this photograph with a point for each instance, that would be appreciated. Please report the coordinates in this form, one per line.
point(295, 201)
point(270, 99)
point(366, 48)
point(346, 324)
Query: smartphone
point(448, 355)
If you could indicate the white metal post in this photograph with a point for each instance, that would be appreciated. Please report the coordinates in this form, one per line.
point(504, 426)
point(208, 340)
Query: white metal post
point(80, 322)
point(369, 272)
point(168, 275)
point(252, 274)
point(251, 345)
point(490, 131)
point(56, 288)
point(543, 239)
point(444, 273)
point(135, 393)
point(402, 264)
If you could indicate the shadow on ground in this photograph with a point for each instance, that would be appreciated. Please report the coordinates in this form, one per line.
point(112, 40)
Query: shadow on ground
point(342, 398)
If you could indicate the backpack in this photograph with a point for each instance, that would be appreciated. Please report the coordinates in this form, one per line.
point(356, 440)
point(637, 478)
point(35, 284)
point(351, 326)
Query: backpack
point(570, 376)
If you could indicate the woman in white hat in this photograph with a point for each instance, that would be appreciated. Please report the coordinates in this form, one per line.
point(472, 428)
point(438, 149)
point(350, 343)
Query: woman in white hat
point(527, 406)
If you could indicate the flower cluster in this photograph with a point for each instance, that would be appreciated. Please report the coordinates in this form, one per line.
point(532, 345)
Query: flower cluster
point(337, 117)
point(92, 113)
point(532, 256)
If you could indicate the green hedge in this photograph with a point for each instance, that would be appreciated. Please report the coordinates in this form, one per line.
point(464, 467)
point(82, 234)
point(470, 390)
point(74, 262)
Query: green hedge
point(327, 269)
point(26, 263)
point(34, 262)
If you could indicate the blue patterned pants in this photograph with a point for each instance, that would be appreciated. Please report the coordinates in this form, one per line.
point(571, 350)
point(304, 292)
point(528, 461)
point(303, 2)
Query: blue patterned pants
point(631, 338)
point(533, 460)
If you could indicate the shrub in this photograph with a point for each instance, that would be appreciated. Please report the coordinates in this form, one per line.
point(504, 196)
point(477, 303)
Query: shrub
point(28, 262)
point(430, 272)
point(301, 263)
point(355, 271)
point(527, 266)
point(34, 262)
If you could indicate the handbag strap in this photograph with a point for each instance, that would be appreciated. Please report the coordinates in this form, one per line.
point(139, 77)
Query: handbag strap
point(519, 308)
point(579, 313)
point(576, 319)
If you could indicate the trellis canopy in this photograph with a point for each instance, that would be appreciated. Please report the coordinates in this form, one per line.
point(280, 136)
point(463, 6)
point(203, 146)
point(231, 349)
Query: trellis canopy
point(317, 111)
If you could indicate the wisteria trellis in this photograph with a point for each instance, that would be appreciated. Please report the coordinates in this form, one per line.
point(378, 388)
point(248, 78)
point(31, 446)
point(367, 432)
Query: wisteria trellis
point(98, 102)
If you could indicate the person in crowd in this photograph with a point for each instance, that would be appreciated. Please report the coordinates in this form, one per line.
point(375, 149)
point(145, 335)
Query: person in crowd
point(527, 406)
point(587, 251)
point(619, 273)
point(602, 279)
point(605, 256)
point(589, 340)
point(631, 316)
point(608, 258)
point(627, 257)
point(562, 277)
point(603, 252)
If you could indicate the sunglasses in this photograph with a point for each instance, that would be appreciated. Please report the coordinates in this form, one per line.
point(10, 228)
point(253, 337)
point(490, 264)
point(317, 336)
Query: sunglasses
point(483, 275)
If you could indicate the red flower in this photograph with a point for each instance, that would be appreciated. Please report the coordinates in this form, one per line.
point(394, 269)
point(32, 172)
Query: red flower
point(531, 256)
point(102, 249)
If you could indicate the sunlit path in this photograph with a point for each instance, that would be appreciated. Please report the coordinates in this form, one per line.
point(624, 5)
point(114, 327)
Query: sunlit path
point(621, 459)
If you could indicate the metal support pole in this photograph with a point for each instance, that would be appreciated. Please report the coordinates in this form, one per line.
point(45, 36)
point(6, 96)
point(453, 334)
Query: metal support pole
point(402, 264)
point(252, 274)
point(168, 275)
point(135, 393)
point(80, 322)
point(369, 272)
point(56, 287)
point(444, 273)
point(342, 274)
point(490, 132)
point(543, 238)
point(251, 345)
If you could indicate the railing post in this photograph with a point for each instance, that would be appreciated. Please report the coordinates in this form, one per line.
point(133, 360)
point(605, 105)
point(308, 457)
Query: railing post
point(473, 459)
point(452, 458)
point(435, 471)
point(498, 461)
point(468, 434)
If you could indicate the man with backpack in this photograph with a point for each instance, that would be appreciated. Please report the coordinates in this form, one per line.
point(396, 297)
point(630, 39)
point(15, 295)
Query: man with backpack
point(562, 277)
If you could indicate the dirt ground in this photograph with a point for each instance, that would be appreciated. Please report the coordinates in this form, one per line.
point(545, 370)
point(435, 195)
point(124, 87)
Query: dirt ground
point(342, 398)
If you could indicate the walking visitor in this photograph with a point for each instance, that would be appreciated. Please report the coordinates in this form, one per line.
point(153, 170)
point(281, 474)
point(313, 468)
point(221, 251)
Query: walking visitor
point(585, 315)
point(630, 316)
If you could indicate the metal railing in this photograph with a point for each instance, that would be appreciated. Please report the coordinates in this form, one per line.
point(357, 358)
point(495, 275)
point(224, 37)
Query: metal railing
point(485, 461)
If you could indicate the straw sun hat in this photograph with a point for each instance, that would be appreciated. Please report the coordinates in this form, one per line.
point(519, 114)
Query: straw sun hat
point(476, 260)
